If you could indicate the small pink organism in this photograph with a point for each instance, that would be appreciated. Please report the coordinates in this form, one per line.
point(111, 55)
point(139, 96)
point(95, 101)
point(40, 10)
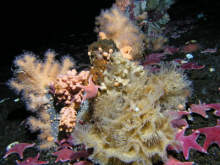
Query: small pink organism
point(190, 46)
point(209, 51)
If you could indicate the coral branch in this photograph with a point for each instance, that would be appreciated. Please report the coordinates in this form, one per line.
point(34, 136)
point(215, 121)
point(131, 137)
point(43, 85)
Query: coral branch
point(68, 118)
point(32, 78)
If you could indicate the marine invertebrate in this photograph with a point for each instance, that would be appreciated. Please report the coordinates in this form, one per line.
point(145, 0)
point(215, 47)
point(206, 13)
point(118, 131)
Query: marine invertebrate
point(209, 51)
point(211, 134)
point(116, 26)
point(99, 53)
point(199, 109)
point(216, 107)
point(65, 87)
point(18, 148)
point(128, 125)
point(176, 86)
point(32, 79)
point(68, 118)
point(187, 142)
point(190, 47)
point(91, 90)
point(122, 4)
point(128, 122)
point(64, 155)
point(31, 161)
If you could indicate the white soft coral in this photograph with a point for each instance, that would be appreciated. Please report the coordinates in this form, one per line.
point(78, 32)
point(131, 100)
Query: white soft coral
point(117, 26)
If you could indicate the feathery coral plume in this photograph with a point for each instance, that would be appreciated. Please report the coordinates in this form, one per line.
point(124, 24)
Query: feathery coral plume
point(33, 75)
point(122, 4)
point(32, 78)
point(118, 27)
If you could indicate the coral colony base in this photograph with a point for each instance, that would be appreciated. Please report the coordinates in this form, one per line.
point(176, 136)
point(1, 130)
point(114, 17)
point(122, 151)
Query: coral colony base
point(124, 110)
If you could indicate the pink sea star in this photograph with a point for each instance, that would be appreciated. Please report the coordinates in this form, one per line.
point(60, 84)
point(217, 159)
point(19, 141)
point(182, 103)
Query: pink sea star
point(171, 50)
point(209, 51)
point(191, 65)
point(212, 135)
point(64, 155)
point(64, 145)
point(31, 161)
point(67, 154)
point(91, 90)
point(200, 109)
point(153, 59)
point(18, 148)
point(187, 142)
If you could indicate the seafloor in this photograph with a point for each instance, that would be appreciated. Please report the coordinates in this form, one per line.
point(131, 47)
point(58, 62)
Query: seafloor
point(71, 34)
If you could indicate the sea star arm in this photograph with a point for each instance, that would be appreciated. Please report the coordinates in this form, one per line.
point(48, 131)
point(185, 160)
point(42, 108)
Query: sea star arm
point(91, 90)
point(212, 135)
